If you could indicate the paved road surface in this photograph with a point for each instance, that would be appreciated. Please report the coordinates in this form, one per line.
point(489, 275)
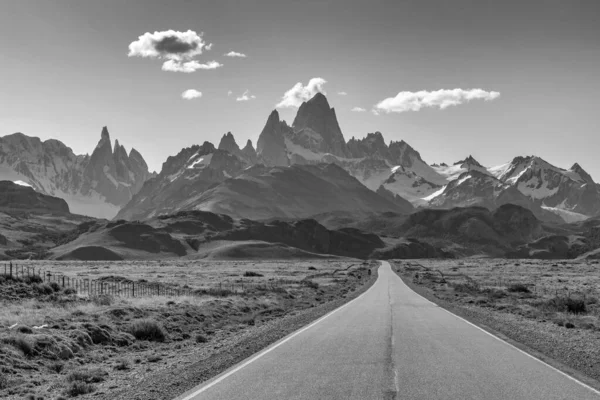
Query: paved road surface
point(390, 343)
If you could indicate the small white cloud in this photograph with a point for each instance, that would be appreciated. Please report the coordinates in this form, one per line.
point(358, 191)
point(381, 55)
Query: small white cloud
point(246, 96)
point(171, 45)
point(229, 93)
point(342, 93)
point(188, 67)
point(299, 93)
point(178, 49)
point(191, 94)
point(358, 109)
point(235, 54)
point(443, 98)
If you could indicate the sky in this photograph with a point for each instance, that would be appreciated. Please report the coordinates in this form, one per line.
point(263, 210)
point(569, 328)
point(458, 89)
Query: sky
point(414, 67)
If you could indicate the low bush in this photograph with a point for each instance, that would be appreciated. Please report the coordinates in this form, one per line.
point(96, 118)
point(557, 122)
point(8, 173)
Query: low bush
point(216, 292)
point(3, 381)
point(23, 344)
point(55, 286)
point(91, 375)
point(566, 304)
point(252, 273)
point(122, 364)
point(201, 338)
point(57, 367)
point(466, 287)
point(43, 288)
point(147, 329)
point(33, 279)
point(495, 293)
point(103, 300)
point(25, 329)
point(310, 284)
point(78, 388)
point(518, 288)
point(70, 291)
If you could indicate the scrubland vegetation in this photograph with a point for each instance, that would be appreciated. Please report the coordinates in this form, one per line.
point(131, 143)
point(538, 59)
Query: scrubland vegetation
point(55, 343)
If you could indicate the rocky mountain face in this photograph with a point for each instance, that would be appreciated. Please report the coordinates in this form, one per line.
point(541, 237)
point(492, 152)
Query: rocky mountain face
point(183, 177)
point(257, 192)
point(97, 185)
point(395, 171)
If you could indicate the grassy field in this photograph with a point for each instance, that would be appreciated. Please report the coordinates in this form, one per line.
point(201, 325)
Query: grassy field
point(563, 291)
point(55, 343)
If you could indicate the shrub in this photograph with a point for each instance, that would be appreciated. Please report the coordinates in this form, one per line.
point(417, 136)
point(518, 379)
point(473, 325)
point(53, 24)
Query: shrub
point(23, 344)
point(122, 364)
point(201, 338)
point(310, 284)
point(70, 291)
point(518, 288)
point(43, 288)
point(25, 329)
point(78, 388)
point(566, 304)
point(92, 375)
point(33, 279)
point(216, 292)
point(55, 286)
point(467, 287)
point(147, 329)
point(311, 268)
point(252, 273)
point(495, 293)
point(569, 325)
point(103, 300)
point(57, 367)
point(3, 381)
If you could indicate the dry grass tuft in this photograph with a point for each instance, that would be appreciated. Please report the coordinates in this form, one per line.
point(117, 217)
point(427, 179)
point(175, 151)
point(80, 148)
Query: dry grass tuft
point(148, 329)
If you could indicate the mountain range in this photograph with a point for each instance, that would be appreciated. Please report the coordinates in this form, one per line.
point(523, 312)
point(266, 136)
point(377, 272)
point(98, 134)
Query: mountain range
point(97, 185)
point(295, 171)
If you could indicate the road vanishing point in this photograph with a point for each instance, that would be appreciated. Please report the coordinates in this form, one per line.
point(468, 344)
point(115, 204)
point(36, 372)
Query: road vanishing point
point(391, 343)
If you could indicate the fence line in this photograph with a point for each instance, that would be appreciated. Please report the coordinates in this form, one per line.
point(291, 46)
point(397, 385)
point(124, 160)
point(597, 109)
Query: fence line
point(127, 288)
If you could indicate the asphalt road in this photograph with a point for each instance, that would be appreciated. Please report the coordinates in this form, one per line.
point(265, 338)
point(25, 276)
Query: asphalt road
point(391, 343)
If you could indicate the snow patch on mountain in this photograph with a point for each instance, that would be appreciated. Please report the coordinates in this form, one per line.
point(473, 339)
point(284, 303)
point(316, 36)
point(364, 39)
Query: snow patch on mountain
point(22, 183)
point(566, 215)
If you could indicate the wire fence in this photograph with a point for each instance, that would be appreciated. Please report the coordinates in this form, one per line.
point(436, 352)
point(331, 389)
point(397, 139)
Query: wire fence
point(122, 287)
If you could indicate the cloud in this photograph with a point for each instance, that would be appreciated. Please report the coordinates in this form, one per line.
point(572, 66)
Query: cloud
point(229, 93)
point(188, 67)
point(358, 109)
point(177, 48)
point(246, 96)
point(443, 98)
point(171, 45)
point(299, 93)
point(342, 93)
point(191, 94)
point(234, 54)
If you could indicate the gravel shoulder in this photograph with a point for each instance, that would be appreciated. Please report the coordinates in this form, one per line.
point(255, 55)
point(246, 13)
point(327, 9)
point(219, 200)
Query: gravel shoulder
point(574, 351)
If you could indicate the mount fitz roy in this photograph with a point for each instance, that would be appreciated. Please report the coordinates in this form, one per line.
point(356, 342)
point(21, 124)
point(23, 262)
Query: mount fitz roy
point(97, 185)
point(295, 171)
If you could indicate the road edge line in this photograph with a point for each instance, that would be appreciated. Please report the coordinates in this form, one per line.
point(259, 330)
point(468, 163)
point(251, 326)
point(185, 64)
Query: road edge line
point(592, 389)
point(219, 378)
